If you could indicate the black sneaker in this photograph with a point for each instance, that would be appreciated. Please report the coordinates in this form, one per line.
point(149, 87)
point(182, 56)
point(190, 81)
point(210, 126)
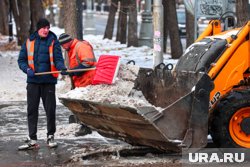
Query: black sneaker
point(30, 145)
point(50, 141)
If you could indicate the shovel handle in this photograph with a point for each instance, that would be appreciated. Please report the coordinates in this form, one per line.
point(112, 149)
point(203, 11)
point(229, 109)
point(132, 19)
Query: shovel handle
point(54, 72)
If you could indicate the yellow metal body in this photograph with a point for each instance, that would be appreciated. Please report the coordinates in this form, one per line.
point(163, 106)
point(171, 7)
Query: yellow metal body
point(214, 27)
point(229, 69)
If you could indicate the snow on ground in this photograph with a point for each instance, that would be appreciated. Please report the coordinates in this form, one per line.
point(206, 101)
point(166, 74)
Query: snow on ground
point(67, 131)
point(13, 80)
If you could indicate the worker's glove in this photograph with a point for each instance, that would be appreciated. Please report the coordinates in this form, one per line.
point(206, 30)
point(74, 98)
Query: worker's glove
point(64, 72)
point(75, 73)
point(80, 66)
point(30, 72)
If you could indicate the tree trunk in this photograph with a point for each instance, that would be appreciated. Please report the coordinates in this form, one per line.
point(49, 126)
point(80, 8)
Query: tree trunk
point(189, 29)
point(111, 20)
point(132, 24)
point(21, 12)
point(70, 17)
point(36, 12)
point(242, 12)
point(165, 26)
point(61, 15)
point(122, 22)
point(176, 46)
point(51, 16)
point(79, 10)
point(4, 7)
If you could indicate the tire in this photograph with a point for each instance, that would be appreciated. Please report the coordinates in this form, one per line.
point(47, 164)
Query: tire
point(230, 121)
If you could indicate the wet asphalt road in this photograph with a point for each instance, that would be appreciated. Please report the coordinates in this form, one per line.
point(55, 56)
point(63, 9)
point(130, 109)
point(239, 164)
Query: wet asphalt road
point(13, 129)
point(13, 120)
point(80, 151)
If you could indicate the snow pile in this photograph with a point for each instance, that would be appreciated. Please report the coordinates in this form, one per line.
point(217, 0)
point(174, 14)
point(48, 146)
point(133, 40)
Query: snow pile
point(62, 131)
point(5, 45)
point(121, 92)
point(13, 80)
point(67, 131)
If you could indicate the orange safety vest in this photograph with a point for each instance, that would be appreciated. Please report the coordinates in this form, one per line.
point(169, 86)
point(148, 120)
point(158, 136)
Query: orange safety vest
point(30, 45)
point(89, 59)
point(81, 52)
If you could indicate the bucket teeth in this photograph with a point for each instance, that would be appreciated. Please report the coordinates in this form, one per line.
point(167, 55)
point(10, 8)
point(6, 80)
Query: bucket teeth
point(163, 87)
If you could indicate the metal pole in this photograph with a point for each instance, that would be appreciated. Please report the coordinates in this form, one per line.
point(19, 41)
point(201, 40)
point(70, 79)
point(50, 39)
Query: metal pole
point(158, 32)
point(146, 32)
point(195, 20)
point(89, 19)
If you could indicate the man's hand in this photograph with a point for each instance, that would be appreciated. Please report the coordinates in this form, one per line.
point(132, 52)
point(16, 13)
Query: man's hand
point(64, 72)
point(30, 72)
point(80, 66)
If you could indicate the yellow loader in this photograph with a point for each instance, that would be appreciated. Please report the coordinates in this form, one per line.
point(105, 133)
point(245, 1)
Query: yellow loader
point(208, 92)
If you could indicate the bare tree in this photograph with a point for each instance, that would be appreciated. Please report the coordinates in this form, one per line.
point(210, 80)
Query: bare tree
point(111, 20)
point(132, 24)
point(122, 22)
point(25, 12)
point(189, 28)
point(242, 12)
point(36, 12)
point(176, 46)
point(70, 18)
point(165, 26)
point(61, 16)
point(48, 5)
point(127, 8)
point(21, 12)
point(4, 8)
point(51, 16)
point(79, 10)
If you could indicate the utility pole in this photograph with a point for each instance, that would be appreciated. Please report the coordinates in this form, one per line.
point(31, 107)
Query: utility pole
point(158, 32)
point(89, 19)
point(146, 32)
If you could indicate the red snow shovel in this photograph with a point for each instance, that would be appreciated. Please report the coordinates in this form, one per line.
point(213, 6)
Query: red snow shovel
point(105, 71)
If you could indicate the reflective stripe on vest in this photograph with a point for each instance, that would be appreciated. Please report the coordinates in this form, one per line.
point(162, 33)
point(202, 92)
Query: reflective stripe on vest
point(30, 49)
point(85, 61)
point(51, 58)
point(30, 45)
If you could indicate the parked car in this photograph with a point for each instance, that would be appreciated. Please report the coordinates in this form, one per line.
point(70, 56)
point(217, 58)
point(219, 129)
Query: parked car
point(181, 18)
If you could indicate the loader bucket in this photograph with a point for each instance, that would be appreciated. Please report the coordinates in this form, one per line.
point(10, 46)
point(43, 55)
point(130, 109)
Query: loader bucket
point(181, 123)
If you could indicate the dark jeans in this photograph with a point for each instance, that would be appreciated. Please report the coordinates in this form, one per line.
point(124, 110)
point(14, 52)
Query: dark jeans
point(47, 93)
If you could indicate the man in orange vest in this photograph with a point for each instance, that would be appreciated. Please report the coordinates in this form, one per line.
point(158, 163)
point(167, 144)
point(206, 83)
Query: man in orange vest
point(41, 52)
point(81, 56)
